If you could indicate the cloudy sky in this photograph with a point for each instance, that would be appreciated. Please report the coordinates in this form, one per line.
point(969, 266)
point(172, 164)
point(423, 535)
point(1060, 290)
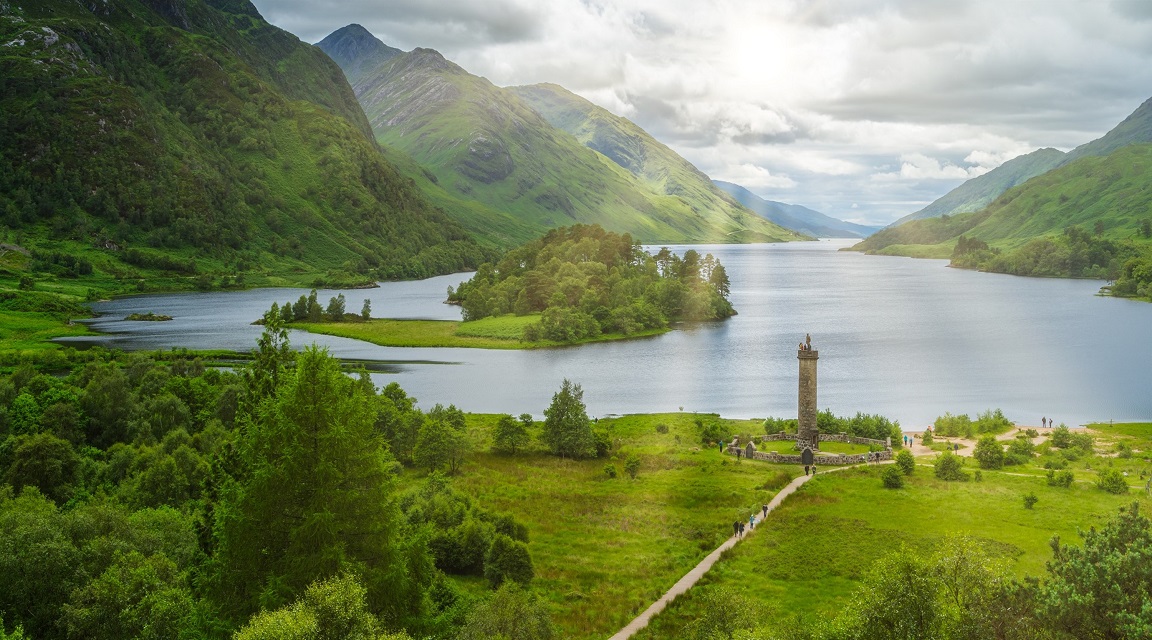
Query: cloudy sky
point(863, 109)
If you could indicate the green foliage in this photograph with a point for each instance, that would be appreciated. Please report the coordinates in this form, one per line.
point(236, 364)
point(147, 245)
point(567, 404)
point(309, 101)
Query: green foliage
point(610, 470)
point(1063, 478)
point(951, 426)
point(905, 461)
point(989, 453)
point(949, 466)
point(1061, 437)
point(507, 560)
point(567, 430)
point(512, 612)
point(892, 477)
point(511, 435)
point(861, 425)
point(329, 609)
point(442, 440)
point(632, 465)
point(314, 499)
point(726, 612)
point(45, 462)
point(927, 438)
point(586, 281)
point(1030, 500)
point(1101, 590)
point(712, 431)
point(1112, 481)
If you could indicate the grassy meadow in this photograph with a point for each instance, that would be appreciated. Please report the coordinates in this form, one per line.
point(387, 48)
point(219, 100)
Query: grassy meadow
point(605, 548)
point(810, 554)
point(498, 332)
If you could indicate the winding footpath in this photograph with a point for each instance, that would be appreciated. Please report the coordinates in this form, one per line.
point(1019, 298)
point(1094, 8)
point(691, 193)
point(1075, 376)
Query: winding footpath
point(689, 580)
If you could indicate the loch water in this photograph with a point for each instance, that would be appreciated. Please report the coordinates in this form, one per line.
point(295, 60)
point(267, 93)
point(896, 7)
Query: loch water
point(909, 339)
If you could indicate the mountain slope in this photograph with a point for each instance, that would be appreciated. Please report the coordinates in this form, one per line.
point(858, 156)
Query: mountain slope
point(204, 140)
point(1135, 129)
point(1110, 195)
point(977, 193)
point(486, 144)
point(796, 217)
point(356, 50)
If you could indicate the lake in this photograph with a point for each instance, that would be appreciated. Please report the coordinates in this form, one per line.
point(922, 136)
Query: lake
point(909, 339)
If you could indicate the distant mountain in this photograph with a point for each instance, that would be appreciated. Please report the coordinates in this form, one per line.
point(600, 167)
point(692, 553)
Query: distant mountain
point(977, 193)
point(795, 217)
point(356, 50)
point(481, 143)
point(194, 139)
point(1107, 196)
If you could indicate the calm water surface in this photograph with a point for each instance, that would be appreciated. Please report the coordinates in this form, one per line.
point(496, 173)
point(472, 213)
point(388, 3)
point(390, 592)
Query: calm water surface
point(906, 338)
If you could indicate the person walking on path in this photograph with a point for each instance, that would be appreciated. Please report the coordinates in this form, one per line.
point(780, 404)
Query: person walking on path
point(736, 528)
point(752, 522)
point(764, 511)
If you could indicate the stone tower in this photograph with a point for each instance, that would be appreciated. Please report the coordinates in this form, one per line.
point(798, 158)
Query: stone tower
point(807, 434)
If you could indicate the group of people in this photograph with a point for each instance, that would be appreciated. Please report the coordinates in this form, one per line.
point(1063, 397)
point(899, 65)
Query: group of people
point(1047, 422)
point(739, 528)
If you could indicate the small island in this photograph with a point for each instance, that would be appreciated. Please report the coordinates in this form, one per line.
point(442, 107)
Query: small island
point(575, 285)
point(147, 317)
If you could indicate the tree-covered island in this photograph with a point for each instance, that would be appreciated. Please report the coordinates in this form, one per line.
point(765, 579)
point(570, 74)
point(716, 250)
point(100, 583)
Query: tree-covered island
point(574, 284)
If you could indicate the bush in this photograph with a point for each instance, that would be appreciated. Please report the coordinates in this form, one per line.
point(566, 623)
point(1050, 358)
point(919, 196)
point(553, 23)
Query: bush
point(1056, 464)
point(906, 462)
point(1022, 446)
point(949, 466)
point(992, 422)
point(951, 426)
point(1083, 442)
point(892, 477)
point(506, 560)
point(610, 470)
point(989, 454)
point(978, 476)
point(1123, 450)
point(1031, 433)
point(661, 428)
point(1061, 437)
point(926, 438)
point(711, 432)
point(1112, 481)
point(632, 466)
point(1030, 500)
point(1060, 478)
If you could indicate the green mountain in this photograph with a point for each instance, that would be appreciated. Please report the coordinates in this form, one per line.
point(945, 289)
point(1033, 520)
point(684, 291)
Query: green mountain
point(979, 192)
point(356, 50)
point(171, 143)
point(795, 217)
point(488, 145)
point(1108, 196)
point(1135, 129)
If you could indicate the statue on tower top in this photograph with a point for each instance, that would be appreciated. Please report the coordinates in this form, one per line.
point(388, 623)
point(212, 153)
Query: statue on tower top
point(808, 342)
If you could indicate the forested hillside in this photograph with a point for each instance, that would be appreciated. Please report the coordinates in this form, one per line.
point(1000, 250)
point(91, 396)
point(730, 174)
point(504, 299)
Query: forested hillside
point(192, 141)
point(1091, 218)
point(485, 144)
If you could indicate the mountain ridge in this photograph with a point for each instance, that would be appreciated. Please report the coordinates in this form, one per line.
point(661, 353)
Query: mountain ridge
point(486, 144)
point(796, 217)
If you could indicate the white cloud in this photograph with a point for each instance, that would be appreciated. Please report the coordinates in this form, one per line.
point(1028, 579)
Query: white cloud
point(837, 102)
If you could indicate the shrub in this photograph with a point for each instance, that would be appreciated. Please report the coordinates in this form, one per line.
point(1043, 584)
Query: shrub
point(926, 438)
point(711, 432)
point(1112, 481)
point(1056, 464)
point(610, 470)
point(1030, 500)
point(1022, 446)
point(1060, 478)
point(949, 466)
point(952, 426)
point(989, 454)
point(992, 422)
point(506, 560)
point(1031, 433)
point(1083, 442)
point(892, 477)
point(1061, 437)
point(978, 476)
point(661, 428)
point(632, 466)
point(1123, 450)
point(906, 462)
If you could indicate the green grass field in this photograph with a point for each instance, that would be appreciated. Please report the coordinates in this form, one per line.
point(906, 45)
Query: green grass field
point(501, 332)
point(811, 553)
point(604, 548)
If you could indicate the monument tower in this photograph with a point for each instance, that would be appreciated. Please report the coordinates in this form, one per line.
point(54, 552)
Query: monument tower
point(808, 437)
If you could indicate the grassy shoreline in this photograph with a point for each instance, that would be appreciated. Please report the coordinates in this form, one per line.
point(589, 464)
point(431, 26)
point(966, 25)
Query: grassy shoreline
point(501, 332)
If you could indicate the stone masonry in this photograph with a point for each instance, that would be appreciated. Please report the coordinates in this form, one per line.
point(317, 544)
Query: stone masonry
point(808, 436)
